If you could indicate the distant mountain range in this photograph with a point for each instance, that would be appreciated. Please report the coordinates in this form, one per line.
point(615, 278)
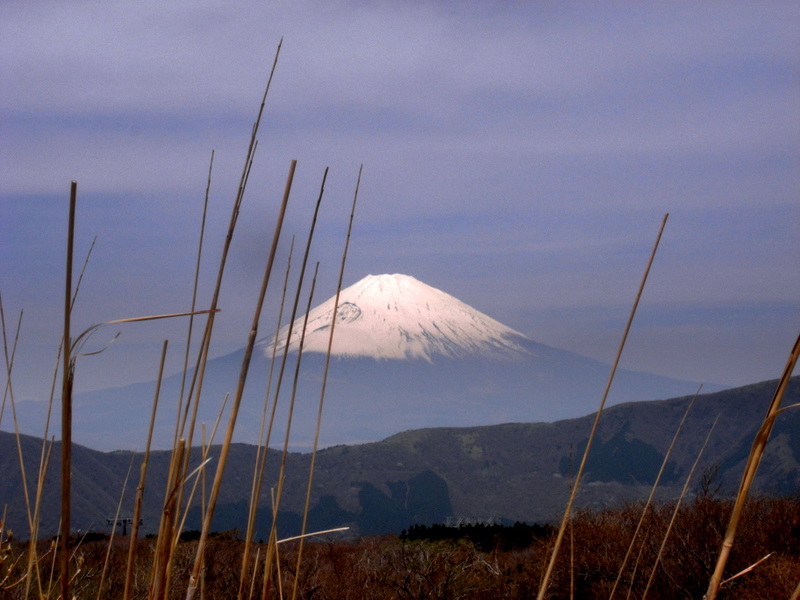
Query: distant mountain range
point(513, 471)
point(404, 356)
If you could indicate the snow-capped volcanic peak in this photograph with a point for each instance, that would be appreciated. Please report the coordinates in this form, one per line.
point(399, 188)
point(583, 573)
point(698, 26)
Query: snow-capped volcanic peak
point(398, 317)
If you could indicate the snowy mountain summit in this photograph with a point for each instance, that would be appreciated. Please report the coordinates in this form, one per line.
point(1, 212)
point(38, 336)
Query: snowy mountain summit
point(399, 317)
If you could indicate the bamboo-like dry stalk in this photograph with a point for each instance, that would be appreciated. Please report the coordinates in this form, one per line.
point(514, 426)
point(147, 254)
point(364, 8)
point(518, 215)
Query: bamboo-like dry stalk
point(200, 366)
point(264, 434)
point(200, 470)
point(30, 513)
point(322, 391)
point(676, 509)
point(66, 401)
point(161, 558)
point(748, 569)
point(652, 493)
point(568, 512)
point(270, 554)
point(256, 562)
point(192, 589)
point(571, 536)
point(187, 351)
point(273, 534)
point(137, 506)
point(47, 447)
point(756, 452)
point(9, 361)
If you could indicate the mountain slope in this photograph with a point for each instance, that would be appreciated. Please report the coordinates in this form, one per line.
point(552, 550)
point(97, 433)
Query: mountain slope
point(515, 471)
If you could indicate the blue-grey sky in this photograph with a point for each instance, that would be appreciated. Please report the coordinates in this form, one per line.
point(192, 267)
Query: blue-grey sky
point(519, 156)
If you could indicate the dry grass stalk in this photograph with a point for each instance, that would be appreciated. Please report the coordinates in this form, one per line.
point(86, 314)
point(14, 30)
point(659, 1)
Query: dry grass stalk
point(47, 448)
point(192, 589)
point(9, 388)
point(636, 564)
point(747, 570)
point(273, 534)
point(161, 558)
point(273, 537)
point(307, 505)
point(66, 401)
point(264, 434)
point(200, 470)
point(200, 366)
point(676, 509)
point(652, 493)
point(182, 392)
point(137, 506)
point(256, 562)
point(568, 512)
point(756, 452)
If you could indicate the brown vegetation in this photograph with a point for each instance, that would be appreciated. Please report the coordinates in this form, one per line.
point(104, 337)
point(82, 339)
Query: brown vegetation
point(465, 568)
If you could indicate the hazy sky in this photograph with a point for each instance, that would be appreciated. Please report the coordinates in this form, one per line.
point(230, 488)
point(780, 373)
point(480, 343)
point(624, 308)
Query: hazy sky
point(519, 156)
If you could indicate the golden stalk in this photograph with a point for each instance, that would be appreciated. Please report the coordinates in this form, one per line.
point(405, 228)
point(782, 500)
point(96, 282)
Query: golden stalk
point(756, 452)
point(194, 300)
point(269, 554)
point(192, 589)
point(44, 458)
point(262, 449)
point(748, 569)
point(9, 360)
point(200, 366)
point(200, 470)
point(568, 512)
point(322, 391)
point(158, 589)
point(137, 507)
point(66, 402)
point(282, 470)
point(796, 593)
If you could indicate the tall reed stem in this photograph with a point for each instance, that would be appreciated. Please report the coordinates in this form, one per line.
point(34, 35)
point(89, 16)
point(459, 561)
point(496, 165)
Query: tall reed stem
point(66, 402)
point(192, 589)
point(264, 434)
point(322, 391)
point(568, 512)
point(190, 330)
point(756, 452)
point(137, 507)
point(273, 534)
point(200, 366)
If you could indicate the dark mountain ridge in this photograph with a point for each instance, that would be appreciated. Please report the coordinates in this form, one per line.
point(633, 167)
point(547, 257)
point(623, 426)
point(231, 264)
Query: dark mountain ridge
point(512, 471)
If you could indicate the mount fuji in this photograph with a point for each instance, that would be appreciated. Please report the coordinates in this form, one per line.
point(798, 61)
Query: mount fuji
point(404, 356)
point(400, 318)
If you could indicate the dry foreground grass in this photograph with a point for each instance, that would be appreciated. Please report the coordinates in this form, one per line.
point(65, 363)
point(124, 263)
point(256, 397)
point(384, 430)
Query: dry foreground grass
point(471, 563)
